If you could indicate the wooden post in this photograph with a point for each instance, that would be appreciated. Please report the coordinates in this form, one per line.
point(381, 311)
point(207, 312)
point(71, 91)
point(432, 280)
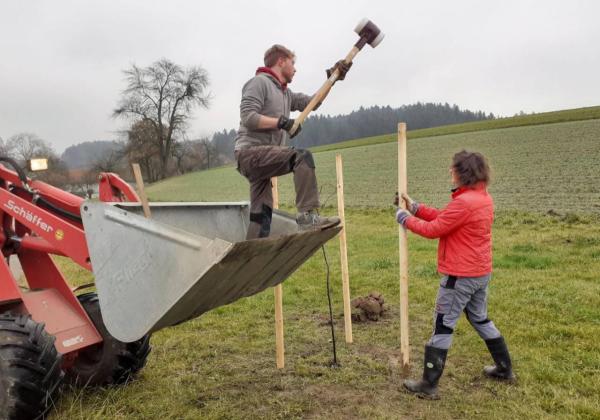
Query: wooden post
point(279, 346)
point(403, 250)
point(137, 173)
point(343, 249)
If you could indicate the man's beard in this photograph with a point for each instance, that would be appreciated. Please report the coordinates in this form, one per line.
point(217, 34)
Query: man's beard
point(287, 78)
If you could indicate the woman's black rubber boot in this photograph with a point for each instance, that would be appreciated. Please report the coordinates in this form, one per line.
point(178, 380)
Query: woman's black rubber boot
point(433, 367)
point(503, 368)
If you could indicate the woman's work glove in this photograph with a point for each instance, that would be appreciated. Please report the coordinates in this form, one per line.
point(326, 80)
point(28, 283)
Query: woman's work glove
point(411, 205)
point(401, 216)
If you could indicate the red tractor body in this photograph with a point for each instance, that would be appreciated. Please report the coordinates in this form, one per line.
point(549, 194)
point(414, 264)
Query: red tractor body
point(34, 233)
point(39, 220)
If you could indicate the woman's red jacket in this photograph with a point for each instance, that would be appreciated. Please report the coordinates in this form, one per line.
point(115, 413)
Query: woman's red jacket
point(464, 227)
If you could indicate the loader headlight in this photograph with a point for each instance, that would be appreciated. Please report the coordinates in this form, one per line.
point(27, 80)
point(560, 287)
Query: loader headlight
point(38, 164)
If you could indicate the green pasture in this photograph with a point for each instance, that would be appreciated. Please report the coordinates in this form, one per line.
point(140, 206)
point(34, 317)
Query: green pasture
point(544, 297)
point(543, 168)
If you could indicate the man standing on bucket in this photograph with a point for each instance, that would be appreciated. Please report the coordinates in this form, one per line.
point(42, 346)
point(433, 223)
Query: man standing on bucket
point(260, 148)
point(464, 229)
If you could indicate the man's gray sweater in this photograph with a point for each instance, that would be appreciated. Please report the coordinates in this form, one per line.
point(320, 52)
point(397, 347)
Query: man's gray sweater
point(263, 95)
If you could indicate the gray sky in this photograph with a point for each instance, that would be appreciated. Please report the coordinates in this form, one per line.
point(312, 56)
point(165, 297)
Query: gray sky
point(61, 61)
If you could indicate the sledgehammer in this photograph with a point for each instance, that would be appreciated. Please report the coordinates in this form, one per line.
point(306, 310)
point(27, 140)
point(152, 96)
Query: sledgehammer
point(369, 34)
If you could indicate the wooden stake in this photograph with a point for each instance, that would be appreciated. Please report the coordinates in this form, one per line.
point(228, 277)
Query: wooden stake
point(137, 173)
point(343, 249)
point(403, 250)
point(279, 346)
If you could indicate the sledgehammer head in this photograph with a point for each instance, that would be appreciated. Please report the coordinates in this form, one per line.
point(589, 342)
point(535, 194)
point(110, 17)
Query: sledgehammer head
point(369, 34)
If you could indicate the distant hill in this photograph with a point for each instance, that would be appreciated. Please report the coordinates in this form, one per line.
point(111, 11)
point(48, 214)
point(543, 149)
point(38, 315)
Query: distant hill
point(553, 117)
point(319, 130)
point(83, 155)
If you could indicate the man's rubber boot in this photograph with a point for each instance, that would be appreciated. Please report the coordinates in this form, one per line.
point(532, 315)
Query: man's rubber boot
point(311, 220)
point(503, 368)
point(433, 367)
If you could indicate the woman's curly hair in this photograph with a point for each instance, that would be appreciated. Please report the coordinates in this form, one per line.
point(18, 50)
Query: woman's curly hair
point(471, 168)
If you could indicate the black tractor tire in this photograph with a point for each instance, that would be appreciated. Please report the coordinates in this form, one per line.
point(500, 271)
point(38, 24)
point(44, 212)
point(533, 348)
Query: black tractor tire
point(30, 368)
point(111, 362)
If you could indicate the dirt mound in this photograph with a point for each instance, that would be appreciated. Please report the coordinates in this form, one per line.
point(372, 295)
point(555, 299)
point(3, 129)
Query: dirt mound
point(368, 308)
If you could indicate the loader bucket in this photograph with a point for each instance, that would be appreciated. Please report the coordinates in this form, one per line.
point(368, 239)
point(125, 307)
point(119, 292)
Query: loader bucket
point(187, 259)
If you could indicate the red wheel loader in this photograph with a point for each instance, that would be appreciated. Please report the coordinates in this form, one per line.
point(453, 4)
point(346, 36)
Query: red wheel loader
point(149, 274)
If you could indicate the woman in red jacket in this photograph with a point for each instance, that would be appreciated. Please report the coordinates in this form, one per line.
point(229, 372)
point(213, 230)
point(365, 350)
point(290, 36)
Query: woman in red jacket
point(464, 229)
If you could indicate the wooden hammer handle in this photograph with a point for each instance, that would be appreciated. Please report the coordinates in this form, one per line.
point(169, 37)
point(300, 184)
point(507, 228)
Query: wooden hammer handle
point(322, 92)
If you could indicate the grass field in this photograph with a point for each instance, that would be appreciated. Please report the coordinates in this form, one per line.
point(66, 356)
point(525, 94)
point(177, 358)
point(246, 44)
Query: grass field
point(535, 168)
point(544, 297)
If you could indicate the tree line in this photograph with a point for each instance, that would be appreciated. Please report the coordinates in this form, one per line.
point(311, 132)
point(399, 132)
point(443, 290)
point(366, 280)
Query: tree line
point(365, 122)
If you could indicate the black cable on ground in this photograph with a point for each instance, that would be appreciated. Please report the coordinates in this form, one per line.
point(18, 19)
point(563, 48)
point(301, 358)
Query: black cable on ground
point(335, 362)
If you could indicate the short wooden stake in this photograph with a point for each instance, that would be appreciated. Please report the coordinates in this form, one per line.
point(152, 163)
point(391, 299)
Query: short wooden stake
point(403, 250)
point(343, 250)
point(279, 345)
point(137, 173)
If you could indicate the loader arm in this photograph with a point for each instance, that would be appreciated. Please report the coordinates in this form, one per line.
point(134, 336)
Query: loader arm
point(40, 220)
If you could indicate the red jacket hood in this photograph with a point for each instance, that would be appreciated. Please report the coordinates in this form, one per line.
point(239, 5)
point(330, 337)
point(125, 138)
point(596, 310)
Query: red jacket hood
point(269, 71)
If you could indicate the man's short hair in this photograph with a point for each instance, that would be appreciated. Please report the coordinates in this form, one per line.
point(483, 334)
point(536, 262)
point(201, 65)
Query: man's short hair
point(471, 168)
point(275, 53)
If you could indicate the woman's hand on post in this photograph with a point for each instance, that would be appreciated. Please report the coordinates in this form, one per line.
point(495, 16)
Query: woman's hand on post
point(411, 205)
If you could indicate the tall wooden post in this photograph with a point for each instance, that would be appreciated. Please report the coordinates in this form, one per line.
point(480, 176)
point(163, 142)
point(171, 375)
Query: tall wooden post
point(403, 251)
point(343, 249)
point(279, 346)
point(137, 174)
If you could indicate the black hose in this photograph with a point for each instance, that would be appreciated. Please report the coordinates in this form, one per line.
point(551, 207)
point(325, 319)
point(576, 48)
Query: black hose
point(335, 362)
point(45, 204)
point(16, 167)
point(40, 201)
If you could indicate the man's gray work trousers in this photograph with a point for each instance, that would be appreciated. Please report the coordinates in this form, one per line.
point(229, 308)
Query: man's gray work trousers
point(259, 164)
point(455, 295)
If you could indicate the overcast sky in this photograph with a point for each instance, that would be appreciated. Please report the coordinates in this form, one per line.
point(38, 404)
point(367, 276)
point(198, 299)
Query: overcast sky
point(62, 62)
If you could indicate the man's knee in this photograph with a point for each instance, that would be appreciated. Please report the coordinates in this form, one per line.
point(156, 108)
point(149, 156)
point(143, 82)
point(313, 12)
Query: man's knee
point(303, 155)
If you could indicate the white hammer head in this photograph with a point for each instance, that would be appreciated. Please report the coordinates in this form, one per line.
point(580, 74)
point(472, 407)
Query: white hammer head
point(369, 33)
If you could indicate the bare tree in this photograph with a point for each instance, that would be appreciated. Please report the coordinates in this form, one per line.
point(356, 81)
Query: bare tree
point(25, 146)
point(164, 95)
point(4, 151)
point(143, 146)
point(209, 151)
point(186, 157)
point(109, 161)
